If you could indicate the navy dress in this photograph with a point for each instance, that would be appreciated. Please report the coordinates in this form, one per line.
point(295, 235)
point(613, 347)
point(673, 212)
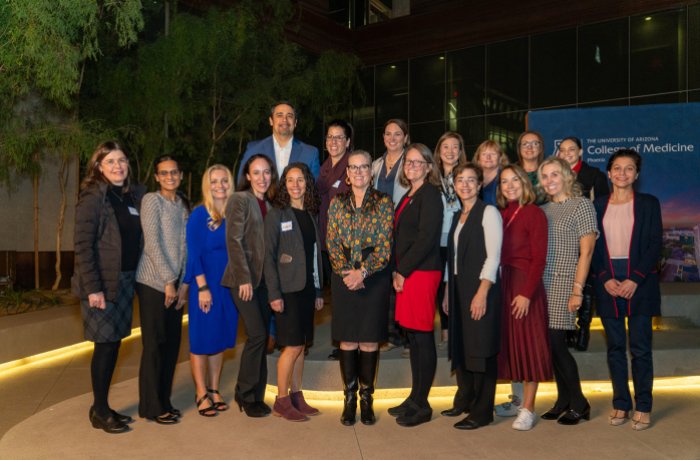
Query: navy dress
point(215, 331)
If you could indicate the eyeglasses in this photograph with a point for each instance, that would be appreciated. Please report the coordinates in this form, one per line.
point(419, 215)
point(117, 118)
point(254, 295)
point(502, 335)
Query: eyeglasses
point(530, 144)
point(173, 173)
point(415, 163)
point(361, 168)
point(330, 138)
point(112, 162)
point(467, 180)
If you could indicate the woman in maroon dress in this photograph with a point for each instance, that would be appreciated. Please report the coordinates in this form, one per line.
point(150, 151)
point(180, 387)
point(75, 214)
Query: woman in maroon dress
point(525, 354)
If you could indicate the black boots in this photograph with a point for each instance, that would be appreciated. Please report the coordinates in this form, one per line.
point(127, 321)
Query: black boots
point(348, 372)
point(585, 314)
point(369, 360)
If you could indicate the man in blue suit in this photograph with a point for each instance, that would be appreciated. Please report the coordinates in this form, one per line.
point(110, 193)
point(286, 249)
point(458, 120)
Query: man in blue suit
point(282, 147)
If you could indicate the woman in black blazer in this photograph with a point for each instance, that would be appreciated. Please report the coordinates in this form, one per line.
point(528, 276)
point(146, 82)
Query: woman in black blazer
point(417, 274)
point(245, 243)
point(625, 265)
point(474, 300)
point(294, 276)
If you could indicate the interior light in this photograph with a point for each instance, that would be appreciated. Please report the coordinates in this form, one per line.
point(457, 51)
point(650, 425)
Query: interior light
point(648, 18)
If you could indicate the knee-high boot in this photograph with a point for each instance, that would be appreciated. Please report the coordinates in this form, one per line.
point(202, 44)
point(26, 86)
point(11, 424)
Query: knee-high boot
point(348, 372)
point(585, 315)
point(369, 361)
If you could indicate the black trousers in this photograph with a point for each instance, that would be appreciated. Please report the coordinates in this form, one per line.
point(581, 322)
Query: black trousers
point(252, 375)
point(569, 393)
point(161, 332)
point(477, 391)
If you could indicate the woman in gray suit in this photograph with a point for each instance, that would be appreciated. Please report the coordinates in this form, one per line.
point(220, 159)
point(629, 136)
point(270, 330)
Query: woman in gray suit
point(293, 276)
point(245, 243)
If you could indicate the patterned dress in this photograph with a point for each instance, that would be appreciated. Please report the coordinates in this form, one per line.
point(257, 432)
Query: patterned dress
point(567, 222)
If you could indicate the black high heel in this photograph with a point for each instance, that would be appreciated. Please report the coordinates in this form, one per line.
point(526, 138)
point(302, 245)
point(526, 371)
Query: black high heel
point(251, 409)
point(221, 406)
point(209, 411)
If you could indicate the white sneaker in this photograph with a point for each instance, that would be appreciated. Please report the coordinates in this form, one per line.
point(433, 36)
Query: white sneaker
point(508, 409)
point(524, 421)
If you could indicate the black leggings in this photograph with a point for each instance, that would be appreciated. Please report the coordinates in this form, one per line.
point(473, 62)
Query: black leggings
point(569, 393)
point(104, 360)
point(423, 364)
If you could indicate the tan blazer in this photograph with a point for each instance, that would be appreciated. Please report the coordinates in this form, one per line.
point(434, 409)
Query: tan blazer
point(245, 241)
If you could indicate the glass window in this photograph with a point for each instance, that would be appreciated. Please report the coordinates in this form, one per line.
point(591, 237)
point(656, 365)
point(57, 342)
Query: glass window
point(391, 92)
point(505, 128)
point(694, 47)
point(427, 133)
point(603, 61)
point(427, 89)
point(657, 52)
point(507, 76)
point(671, 98)
point(553, 64)
point(693, 96)
point(473, 133)
point(608, 103)
point(363, 111)
point(465, 72)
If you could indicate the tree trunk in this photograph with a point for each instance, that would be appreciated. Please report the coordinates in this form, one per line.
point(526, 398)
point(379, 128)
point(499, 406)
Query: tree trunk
point(62, 182)
point(35, 189)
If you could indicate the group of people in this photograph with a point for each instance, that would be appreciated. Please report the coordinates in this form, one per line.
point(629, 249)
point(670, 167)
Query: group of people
point(504, 251)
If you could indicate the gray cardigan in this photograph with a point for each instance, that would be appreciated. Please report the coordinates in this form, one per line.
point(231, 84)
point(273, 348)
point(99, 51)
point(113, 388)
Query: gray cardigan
point(165, 252)
point(285, 261)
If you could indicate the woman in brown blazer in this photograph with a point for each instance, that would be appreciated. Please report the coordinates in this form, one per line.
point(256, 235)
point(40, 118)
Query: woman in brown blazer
point(245, 243)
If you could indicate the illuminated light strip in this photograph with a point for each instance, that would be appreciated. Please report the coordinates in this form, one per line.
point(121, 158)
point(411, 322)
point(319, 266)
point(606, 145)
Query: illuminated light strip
point(64, 352)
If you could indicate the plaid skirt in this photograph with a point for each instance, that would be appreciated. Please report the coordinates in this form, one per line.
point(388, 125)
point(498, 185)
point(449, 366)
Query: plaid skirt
point(114, 322)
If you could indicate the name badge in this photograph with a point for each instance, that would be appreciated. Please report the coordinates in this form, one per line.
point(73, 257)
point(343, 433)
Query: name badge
point(337, 184)
point(133, 211)
point(286, 226)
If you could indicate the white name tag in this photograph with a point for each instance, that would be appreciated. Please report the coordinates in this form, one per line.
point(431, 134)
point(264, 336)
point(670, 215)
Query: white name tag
point(337, 184)
point(133, 211)
point(286, 226)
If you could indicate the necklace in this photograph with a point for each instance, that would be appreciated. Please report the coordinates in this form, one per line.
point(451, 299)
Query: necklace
point(118, 196)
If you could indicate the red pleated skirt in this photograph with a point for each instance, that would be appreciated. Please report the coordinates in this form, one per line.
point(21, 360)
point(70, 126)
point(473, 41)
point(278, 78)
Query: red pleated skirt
point(525, 354)
point(415, 305)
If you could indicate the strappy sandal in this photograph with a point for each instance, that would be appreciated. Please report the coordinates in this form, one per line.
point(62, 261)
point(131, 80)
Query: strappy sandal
point(617, 417)
point(220, 406)
point(638, 424)
point(209, 411)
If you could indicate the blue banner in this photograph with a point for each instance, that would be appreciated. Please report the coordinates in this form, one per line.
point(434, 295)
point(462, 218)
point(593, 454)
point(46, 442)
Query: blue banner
point(668, 138)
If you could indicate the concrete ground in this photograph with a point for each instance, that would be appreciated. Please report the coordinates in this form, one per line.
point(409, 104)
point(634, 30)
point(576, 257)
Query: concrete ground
point(44, 407)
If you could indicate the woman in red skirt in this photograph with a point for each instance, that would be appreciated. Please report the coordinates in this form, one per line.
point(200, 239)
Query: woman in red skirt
point(525, 355)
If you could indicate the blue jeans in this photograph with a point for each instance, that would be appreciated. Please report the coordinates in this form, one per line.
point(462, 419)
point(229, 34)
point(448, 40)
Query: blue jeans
point(639, 329)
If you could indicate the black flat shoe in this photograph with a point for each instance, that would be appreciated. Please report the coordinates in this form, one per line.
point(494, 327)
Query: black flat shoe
point(572, 417)
point(415, 417)
point(176, 412)
point(554, 413)
point(467, 424)
point(401, 409)
point(121, 417)
point(165, 419)
point(454, 412)
point(109, 425)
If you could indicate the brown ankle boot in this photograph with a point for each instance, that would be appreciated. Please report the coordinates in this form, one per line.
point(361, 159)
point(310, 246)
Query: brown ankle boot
point(300, 404)
point(283, 408)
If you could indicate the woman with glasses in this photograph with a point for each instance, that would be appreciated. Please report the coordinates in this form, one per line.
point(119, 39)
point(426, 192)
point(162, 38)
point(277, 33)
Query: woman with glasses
point(108, 242)
point(245, 241)
point(359, 247)
point(417, 274)
point(474, 299)
point(490, 157)
point(572, 231)
point(160, 290)
point(627, 285)
point(213, 318)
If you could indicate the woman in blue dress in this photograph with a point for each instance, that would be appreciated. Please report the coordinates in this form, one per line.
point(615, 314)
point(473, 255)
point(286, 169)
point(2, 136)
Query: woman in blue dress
point(213, 318)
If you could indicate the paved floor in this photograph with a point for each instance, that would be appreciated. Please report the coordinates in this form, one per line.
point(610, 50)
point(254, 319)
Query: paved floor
point(44, 406)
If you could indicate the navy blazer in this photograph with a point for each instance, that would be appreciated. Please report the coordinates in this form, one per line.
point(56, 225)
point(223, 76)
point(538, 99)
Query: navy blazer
point(285, 260)
point(417, 232)
point(645, 250)
point(301, 152)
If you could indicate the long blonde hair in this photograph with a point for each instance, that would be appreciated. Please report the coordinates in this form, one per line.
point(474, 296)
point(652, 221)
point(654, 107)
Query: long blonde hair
point(208, 199)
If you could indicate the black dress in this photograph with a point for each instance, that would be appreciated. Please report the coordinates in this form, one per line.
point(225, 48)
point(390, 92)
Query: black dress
point(295, 325)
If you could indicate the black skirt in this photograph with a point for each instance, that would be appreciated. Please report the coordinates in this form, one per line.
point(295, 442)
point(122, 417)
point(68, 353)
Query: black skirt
point(295, 325)
point(362, 315)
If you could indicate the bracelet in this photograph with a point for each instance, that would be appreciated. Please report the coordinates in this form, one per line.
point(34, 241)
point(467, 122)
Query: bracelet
point(365, 273)
point(576, 295)
point(203, 288)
